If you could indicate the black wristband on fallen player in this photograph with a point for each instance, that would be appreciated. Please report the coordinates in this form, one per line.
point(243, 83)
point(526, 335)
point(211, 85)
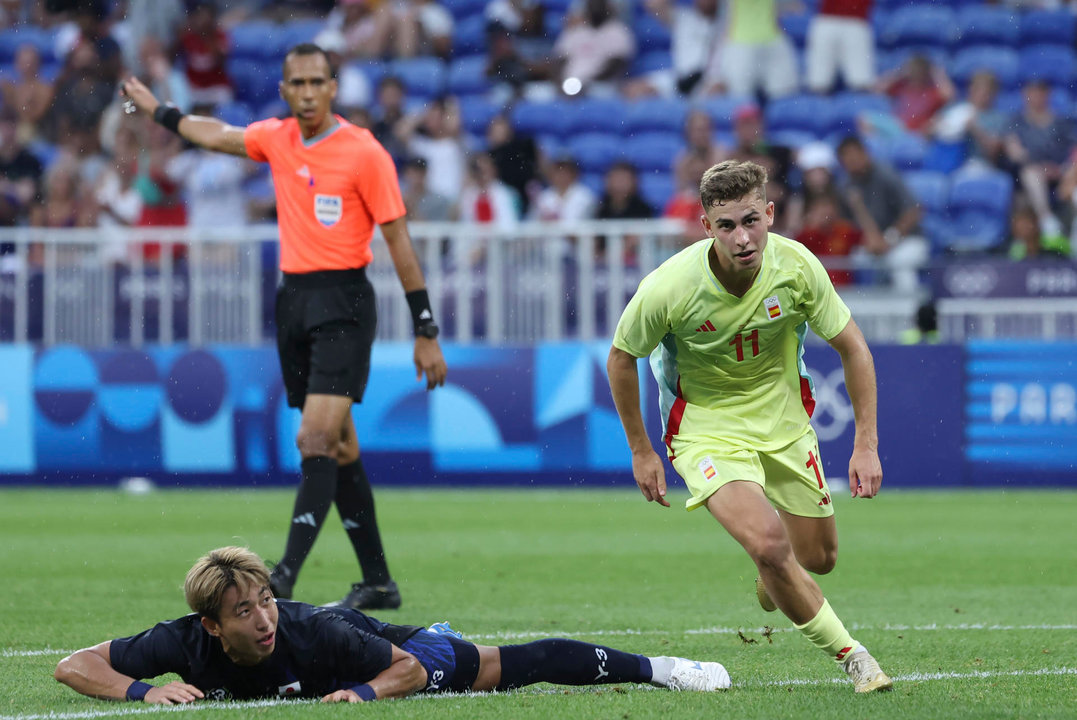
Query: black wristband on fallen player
point(168, 116)
point(419, 303)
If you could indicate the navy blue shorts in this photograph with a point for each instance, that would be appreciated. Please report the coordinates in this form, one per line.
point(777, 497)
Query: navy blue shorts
point(451, 664)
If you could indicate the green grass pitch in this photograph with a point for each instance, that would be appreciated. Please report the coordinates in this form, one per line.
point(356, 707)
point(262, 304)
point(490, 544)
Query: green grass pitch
point(968, 599)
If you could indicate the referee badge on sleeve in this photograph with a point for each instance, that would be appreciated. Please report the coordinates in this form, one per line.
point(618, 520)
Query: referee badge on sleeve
point(773, 306)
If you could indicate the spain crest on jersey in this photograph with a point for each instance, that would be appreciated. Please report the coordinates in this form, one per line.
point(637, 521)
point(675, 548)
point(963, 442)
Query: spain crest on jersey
point(773, 306)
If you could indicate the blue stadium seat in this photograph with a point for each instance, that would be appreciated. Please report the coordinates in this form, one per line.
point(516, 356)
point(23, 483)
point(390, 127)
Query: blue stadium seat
point(540, 118)
point(664, 114)
point(806, 113)
point(275, 108)
point(931, 189)
point(476, 112)
point(12, 38)
point(423, 77)
point(469, 35)
point(723, 108)
point(298, 31)
point(986, 25)
point(467, 75)
point(1053, 63)
point(844, 108)
point(886, 61)
point(595, 182)
point(653, 150)
point(45, 152)
point(1056, 27)
point(972, 231)
point(656, 188)
point(594, 152)
point(902, 152)
point(918, 24)
point(374, 70)
point(651, 61)
point(794, 139)
point(256, 82)
point(985, 191)
point(256, 40)
point(1013, 102)
point(1002, 61)
point(595, 115)
point(463, 9)
point(235, 113)
point(796, 27)
point(936, 227)
point(651, 34)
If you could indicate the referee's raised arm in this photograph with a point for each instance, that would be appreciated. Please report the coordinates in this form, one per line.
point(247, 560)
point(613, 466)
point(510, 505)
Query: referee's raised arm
point(206, 132)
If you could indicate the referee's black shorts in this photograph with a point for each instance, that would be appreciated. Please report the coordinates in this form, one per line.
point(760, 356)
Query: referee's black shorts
point(325, 329)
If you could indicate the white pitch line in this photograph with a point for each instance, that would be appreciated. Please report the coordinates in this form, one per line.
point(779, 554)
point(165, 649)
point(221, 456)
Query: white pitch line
point(129, 711)
point(530, 634)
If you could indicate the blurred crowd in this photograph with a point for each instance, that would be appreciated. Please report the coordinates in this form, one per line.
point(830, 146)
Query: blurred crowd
point(888, 142)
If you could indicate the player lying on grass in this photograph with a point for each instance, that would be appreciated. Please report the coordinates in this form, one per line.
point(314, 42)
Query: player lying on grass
point(241, 643)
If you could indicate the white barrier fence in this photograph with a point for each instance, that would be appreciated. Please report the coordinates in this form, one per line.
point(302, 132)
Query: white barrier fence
point(538, 282)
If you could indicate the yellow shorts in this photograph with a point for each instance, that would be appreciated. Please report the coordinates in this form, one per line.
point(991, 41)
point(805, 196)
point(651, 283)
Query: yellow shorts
point(791, 477)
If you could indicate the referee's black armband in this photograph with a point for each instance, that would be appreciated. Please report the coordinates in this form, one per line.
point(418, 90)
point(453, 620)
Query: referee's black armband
point(168, 116)
point(138, 689)
point(419, 302)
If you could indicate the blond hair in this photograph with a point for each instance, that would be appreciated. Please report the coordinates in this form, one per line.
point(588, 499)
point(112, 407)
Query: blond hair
point(216, 572)
point(731, 180)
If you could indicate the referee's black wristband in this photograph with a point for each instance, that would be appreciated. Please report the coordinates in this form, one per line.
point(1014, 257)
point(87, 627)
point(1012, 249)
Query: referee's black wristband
point(168, 116)
point(419, 302)
point(138, 689)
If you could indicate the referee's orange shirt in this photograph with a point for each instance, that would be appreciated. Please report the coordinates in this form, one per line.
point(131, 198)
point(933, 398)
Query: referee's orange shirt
point(330, 193)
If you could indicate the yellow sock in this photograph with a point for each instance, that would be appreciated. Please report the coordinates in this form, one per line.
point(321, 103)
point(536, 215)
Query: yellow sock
point(826, 632)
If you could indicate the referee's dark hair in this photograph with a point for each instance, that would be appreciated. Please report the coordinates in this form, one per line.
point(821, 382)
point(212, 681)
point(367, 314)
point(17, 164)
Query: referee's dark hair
point(308, 48)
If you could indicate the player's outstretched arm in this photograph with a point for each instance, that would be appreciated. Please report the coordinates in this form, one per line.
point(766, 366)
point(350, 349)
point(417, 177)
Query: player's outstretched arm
point(404, 676)
point(646, 465)
point(206, 132)
point(865, 471)
point(428, 357)
point(89, 671)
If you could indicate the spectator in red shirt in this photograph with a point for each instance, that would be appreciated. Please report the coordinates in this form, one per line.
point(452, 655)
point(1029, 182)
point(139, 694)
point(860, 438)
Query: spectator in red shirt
point(203, 48)
point(828, 235)
point(919, 89)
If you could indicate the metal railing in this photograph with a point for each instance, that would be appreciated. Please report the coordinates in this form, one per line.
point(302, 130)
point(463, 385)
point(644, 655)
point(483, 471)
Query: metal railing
point(537, 282)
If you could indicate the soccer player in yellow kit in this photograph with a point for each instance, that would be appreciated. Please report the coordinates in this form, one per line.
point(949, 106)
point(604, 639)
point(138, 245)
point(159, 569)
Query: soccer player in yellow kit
point(724, 322)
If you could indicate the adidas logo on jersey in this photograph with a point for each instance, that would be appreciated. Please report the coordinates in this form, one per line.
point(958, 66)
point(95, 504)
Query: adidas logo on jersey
point(303, 171)
point(707, 327)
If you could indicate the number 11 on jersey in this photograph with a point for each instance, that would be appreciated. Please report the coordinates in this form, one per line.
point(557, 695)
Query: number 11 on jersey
point(738, 342)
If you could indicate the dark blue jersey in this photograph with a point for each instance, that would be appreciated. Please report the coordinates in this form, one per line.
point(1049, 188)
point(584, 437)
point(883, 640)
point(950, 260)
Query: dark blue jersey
point(318, 650)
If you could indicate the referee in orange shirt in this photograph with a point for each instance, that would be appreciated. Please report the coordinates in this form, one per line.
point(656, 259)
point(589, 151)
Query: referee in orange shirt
point(333, 182)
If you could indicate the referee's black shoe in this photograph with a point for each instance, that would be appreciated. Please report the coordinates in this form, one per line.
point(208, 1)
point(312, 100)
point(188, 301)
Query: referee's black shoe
point(367, 596)
point(281, 582)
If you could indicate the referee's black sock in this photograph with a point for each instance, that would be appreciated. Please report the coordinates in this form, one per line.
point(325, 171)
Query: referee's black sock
point(569, 662)
point(311, 506)
point(355, 503)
